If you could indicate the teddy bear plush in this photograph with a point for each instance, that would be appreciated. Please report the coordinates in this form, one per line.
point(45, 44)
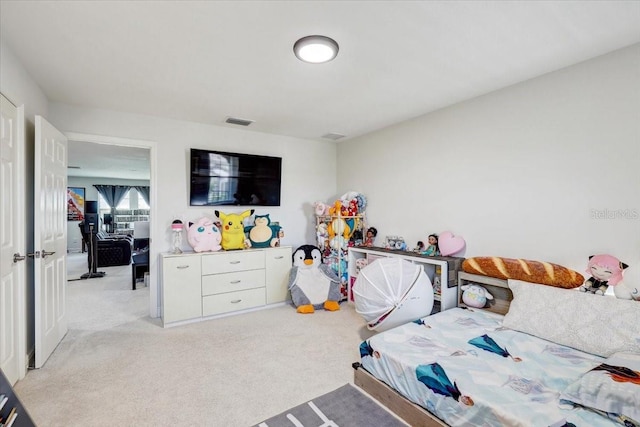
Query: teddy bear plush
point(313, 285)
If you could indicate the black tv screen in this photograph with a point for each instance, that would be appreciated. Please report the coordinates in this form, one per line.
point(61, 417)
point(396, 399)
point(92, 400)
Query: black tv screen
point(222, 178)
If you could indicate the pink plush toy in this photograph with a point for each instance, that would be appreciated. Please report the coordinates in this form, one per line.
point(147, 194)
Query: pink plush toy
point(204, 235)
point(320, 208)
point(605, 271)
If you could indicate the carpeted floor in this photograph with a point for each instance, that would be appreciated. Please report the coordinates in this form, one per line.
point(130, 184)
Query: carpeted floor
point(117, 366)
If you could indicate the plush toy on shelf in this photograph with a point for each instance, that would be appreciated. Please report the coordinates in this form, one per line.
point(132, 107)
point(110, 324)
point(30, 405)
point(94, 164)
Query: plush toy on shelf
point(203, 235)
point(233, 229)
point(322, 235)
point(359, 199)
point(264, 234)
point(320, 208)
point(605, 271)
point(475, 295)
point(313, 285)
point(338, 227)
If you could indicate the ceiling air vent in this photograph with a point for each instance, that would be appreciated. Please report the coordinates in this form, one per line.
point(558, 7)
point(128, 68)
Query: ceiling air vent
point(73, 167)
point(333, 136)
point(237, 121)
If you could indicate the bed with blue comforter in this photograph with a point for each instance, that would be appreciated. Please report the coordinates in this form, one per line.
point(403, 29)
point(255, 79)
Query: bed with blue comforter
point(463, 366)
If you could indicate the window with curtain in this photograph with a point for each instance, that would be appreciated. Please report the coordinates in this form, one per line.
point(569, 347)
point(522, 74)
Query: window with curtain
point(126, 203)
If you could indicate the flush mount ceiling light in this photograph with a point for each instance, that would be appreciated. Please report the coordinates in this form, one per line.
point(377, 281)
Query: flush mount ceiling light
point(315, 49)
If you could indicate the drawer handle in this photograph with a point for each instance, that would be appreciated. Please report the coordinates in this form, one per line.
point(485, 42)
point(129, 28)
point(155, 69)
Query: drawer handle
point(234, 262)
point(182, 267)
point(235, 301)
point(233, 282)
point(279, 257)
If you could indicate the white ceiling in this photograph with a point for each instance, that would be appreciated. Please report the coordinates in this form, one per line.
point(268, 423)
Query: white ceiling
point(204, 61)
point(108, 161)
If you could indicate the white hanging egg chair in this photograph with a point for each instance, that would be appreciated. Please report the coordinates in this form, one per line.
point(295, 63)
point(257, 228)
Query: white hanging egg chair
point(390, 292)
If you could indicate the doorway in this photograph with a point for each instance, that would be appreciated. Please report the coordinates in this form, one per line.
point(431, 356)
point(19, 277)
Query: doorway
point(103, 160)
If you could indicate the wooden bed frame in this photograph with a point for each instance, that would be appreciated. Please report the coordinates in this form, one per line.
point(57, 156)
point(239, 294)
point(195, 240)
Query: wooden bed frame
point(415, 415)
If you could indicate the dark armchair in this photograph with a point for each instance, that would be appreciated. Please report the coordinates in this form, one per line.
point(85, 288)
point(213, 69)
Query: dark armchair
point(112, 249)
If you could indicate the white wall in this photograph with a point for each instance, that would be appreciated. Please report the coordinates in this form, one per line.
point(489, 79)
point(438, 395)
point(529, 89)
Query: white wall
point(308, 168)
point(18, 86)
point(523, 172)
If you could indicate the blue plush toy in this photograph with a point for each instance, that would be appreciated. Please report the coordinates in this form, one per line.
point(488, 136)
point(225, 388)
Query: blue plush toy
point(263, 234)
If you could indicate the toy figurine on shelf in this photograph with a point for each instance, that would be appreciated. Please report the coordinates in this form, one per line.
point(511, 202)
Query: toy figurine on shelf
point(432, 249)
point(372, 232)
point(419, 247)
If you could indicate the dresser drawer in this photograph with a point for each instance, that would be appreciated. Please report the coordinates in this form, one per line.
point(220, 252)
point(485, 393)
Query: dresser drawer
point(233, 301)
point(230, 282)
point(232, 261)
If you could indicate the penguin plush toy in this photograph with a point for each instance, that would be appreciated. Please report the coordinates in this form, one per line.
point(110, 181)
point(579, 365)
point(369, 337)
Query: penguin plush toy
point(312, 283)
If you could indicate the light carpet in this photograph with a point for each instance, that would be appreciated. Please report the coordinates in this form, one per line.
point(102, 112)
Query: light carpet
point(118, 366)
point(344, 407)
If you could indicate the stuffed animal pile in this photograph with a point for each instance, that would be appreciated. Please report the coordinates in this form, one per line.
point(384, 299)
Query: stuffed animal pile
point(229, 232)
point(344, 223)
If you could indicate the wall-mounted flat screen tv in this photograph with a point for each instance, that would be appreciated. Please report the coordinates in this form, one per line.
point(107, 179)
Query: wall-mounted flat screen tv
point(221, 178)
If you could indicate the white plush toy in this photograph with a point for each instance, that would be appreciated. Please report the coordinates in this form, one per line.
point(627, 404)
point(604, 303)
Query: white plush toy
point(475, 295)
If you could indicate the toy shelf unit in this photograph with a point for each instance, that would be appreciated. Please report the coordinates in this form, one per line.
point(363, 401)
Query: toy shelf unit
point(335, 234)
point(442, 270)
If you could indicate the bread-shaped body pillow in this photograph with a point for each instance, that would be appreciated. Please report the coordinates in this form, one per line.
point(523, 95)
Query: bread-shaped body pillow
point(522, 269)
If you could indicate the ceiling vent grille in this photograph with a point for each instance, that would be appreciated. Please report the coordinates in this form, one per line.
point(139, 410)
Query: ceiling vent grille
point(73, 167)
point(237, 121)
point(333, 136)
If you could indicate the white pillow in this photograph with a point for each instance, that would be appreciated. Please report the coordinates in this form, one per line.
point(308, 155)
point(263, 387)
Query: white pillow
point(611, 387)
point(596, 324)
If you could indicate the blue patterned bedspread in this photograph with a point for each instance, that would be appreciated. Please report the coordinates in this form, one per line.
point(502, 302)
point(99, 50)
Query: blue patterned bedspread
point(462, 366)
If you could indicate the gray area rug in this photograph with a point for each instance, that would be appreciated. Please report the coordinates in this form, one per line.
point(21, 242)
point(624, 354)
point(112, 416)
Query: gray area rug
point(343, 407)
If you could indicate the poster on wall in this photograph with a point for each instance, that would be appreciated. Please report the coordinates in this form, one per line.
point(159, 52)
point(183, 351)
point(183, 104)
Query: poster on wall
point(75, 203)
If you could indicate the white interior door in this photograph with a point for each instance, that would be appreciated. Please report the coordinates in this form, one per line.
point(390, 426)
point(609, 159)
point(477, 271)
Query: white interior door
point(50, 239)
point(12, 241)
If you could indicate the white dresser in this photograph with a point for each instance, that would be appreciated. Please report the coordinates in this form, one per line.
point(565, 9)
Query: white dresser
point(197, 286)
